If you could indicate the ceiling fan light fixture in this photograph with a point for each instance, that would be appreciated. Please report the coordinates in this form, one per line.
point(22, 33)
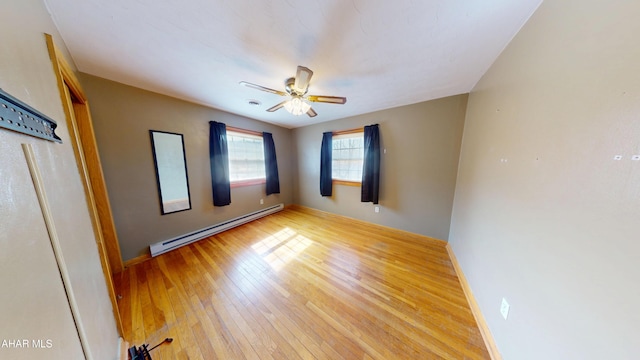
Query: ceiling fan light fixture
point(296, 92)
point(297, 106)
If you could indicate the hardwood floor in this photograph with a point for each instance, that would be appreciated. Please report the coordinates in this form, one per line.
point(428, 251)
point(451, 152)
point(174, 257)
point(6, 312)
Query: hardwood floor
point(301, 284)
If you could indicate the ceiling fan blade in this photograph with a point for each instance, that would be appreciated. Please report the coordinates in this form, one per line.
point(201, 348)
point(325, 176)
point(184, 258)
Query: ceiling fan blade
point(262, 88)
point(303, 76)
point(311, 112)
point(276, 107)
point(327, 99)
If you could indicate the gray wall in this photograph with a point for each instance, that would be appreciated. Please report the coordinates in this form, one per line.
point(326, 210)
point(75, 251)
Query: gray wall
point(555, 229)
point(33, 303)
point(418, 171)
point(122, 117)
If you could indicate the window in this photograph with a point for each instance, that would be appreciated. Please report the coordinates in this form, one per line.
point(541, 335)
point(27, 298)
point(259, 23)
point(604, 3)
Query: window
point(347, 157)
point(246, 158)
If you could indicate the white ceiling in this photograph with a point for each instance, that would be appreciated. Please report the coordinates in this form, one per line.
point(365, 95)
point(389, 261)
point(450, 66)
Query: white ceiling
point(378, 53)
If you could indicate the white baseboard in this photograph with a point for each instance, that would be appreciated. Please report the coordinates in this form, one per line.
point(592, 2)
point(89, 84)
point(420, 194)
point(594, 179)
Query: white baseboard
point(167, 245)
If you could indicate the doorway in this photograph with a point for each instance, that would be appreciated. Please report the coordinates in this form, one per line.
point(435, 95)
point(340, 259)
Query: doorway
point(76, 108)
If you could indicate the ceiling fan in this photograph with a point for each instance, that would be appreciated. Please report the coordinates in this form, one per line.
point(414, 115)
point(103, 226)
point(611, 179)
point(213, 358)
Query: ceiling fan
point(296, 89)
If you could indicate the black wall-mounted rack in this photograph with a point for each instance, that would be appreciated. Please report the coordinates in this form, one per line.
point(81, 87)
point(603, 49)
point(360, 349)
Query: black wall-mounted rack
point(18, 116)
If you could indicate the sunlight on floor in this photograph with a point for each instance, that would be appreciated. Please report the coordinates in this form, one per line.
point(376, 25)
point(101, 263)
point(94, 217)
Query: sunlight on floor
point(272, 241)
point(276, 252)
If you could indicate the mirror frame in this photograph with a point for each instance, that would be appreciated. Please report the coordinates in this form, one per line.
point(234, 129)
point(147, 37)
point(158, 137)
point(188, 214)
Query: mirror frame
point(154, 150)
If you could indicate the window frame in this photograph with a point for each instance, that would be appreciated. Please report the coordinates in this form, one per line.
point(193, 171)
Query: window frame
point(248, 182)
point(346, 132)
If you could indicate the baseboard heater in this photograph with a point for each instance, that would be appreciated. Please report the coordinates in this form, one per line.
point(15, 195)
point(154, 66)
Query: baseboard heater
point(167, 245)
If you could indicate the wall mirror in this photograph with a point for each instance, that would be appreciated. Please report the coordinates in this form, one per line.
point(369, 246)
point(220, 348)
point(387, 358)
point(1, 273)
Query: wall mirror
point(171, 171)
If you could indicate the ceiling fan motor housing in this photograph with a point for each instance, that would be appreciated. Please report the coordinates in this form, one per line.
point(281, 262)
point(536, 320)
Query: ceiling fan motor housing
point(288, 86)
point(297, 87)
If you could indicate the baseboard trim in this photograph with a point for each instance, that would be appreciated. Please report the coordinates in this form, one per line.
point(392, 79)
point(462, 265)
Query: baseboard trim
point(409, 233)
point(137, 260)
point(475, 309)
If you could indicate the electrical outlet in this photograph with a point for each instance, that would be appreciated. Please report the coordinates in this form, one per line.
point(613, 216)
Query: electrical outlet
point(376, 209)
point(261, 201)
point(504, 308)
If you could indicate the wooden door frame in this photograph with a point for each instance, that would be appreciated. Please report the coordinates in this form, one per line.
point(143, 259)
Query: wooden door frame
point(76, 109)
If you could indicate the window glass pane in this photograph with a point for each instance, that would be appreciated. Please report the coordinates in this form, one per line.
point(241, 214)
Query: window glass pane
point(246, 157)
point(348, 152)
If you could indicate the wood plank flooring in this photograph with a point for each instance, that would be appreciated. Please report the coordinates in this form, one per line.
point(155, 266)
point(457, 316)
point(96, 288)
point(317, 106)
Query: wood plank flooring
point(301, 284)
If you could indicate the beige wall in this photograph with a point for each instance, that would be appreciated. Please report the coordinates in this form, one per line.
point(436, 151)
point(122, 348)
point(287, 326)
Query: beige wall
point(418, 170)
point(122, 117)
point(33, 304)
point(555, 229)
